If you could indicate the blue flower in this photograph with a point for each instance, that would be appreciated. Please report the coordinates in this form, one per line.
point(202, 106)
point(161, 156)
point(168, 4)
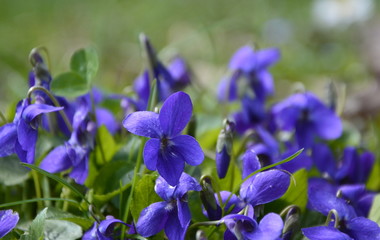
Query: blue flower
point(309, 117)
point(180, 73)
point(75, 152)
point(167, 150)
point(358, 228)
point(173, 214)
point(251, 115)
point(175, 78)
point(253, 66)
point(352, 168)
point(323, 199)
point(104, 230)
point(244, 227)
point(264, 187)
point(8, 221)
point(21, 135)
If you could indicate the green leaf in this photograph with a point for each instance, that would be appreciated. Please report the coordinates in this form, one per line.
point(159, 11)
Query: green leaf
point(56, 178)
point(11, 173)
point(62, 230)
point(144, 195)
point(106, 146)
point(373, 182)
point(11, 236)
point(110, 175)
point(36, 228)
point(195, 208)
point(69, 84)
point(83, 222)
point(297, 191)
point(85, 61)
point(295, 195)
point(4, 205)
point(374, 213)
point(58, 214)
point(102, 198)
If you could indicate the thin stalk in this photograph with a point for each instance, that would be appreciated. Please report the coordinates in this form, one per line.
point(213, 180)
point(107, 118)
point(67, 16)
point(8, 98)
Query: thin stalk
point(37, 188)
point(336, 218)
point(46, 190)
point(6, 205)
point(55, 102)
point(120, 198)
point(134, 181)
point(207, 223)
point(97, 138)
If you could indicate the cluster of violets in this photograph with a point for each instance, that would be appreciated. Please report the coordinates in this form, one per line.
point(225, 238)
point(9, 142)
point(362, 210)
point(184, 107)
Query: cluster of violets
point(270, 133)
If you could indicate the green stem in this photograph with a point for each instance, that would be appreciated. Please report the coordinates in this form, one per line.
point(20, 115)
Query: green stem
point(55, 102)
point(134, 181)
point(336, 220)
point(207, 223)
point(101, 148)
point(6, 205)
point(46, 190)
point(120, 198)
point(37, 188)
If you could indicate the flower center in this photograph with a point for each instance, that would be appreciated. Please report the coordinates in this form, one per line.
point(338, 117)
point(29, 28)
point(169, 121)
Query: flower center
point(164, 142)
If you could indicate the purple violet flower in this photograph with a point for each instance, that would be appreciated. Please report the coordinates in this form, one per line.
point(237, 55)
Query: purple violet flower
point(309, 117)
point(75, 152)
point(173, 214)
point(244, 227)
point(21, 135)
point(142, 87)
point(253, 66)
point(323, 199)
point(264, 187)
point(180, 73)
point(251, 115)
point(104, 230)
point(352, 168)
point(167, 150)
point(8, 221)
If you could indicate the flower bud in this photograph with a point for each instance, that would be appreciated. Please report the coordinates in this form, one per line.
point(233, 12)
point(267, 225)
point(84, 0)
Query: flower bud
point(291, 222)
point(224, 148)
point(214, 212)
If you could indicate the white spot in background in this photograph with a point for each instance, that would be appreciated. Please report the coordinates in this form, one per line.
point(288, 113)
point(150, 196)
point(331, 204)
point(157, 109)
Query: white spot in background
point(341, 13)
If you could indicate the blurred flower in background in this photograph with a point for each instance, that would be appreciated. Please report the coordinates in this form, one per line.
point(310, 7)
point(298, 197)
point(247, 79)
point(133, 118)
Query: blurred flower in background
point(341, 13)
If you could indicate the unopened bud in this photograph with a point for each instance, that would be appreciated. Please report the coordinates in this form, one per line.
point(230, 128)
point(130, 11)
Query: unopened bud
point(224, 148)
point(291, 222)
point(213, 210)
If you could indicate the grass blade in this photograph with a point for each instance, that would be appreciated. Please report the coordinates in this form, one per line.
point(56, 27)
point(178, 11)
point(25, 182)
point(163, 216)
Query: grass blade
point(56, 178)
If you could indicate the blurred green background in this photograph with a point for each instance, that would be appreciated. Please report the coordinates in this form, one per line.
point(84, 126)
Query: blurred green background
point(206, 33)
